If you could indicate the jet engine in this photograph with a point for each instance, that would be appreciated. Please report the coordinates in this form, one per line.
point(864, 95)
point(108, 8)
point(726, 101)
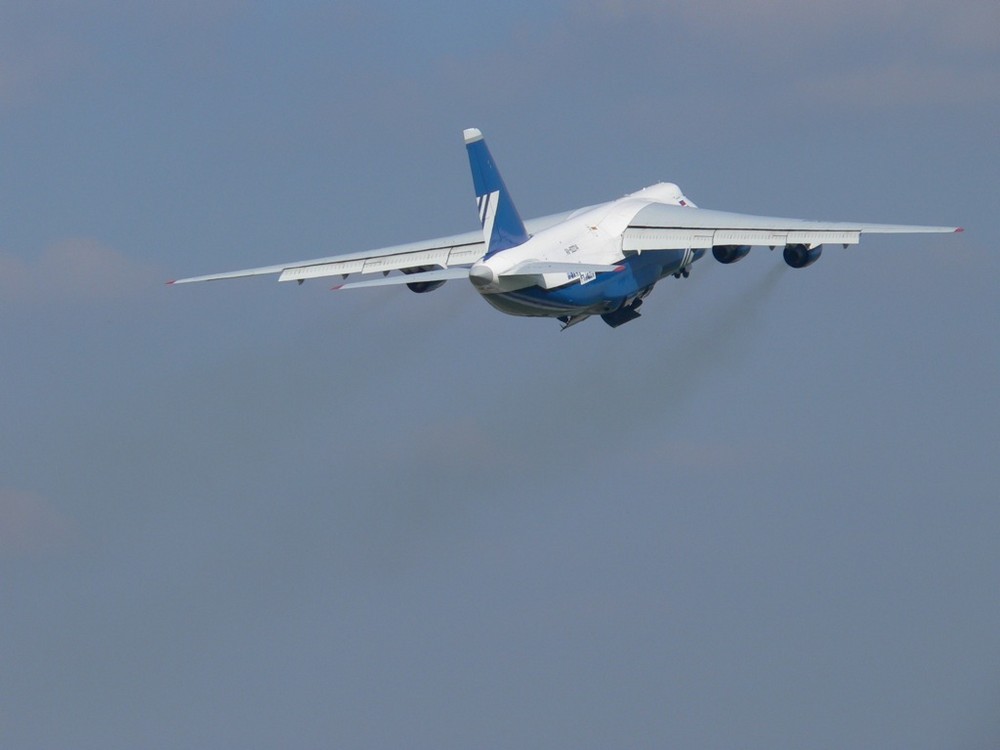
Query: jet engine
point(730, 253)
point(800, 256)
point(421, 287)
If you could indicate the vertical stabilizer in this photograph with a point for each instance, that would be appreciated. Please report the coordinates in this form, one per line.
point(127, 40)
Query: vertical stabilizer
point(502, 225)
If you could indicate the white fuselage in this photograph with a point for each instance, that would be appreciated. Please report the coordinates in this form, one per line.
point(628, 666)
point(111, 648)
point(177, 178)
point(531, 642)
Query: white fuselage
point(591, 235)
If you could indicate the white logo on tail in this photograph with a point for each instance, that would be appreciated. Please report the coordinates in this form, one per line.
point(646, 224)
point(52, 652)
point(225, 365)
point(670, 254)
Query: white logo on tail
point(488, 213)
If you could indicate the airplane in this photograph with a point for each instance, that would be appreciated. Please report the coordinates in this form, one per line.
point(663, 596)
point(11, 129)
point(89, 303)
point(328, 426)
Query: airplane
point(600, 260)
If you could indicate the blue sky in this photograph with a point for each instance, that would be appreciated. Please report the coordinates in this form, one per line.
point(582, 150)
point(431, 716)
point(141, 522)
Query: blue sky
point(244, 514)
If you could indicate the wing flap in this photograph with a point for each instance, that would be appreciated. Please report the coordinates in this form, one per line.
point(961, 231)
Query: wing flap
point(459, 255)
point(442, 274)
point(637, 239)
point(647, 239)
point(457, 249)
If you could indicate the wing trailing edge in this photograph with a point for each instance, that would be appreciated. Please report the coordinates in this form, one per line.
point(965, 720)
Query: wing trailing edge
point(442, 274)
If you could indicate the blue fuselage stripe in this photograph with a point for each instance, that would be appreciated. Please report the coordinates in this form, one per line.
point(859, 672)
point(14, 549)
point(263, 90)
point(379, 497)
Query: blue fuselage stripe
point(606, 293)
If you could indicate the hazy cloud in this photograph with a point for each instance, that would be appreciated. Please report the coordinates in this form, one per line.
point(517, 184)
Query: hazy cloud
point(30, 526)
point(901, 53)
point(962, 23)
point(902, 84)
point(74, 270)
point(28, 65)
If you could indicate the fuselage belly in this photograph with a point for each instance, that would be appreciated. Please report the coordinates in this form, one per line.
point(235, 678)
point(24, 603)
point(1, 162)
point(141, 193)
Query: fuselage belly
point(604, 294)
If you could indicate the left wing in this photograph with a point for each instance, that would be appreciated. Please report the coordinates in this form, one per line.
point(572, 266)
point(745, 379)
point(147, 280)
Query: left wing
point(659, 226)
point(437, 259)
point(444, 252)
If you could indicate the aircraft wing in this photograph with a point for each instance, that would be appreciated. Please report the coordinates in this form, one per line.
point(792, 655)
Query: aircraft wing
point(456, 250)
point(660, 226)
point(414, 258)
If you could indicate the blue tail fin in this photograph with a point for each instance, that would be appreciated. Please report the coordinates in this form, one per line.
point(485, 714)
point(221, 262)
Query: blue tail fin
point(502, 225)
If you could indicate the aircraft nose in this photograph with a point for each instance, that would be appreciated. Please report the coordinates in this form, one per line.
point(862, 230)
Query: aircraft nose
point(482, 275)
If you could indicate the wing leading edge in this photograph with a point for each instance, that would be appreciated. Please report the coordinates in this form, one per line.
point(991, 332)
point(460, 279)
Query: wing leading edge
point(459, 249)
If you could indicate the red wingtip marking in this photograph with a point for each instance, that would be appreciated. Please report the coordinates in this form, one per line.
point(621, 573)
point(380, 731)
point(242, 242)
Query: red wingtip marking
point(619, 268)
point(335, 288)
point(960, 229)
point(171, 282)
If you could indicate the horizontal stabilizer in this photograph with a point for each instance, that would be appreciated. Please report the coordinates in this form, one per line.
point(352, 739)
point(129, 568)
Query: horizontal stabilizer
point(443, 274)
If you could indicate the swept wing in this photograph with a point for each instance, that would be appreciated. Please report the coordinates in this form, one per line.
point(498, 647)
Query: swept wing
point(443, 253)
point(660, 226)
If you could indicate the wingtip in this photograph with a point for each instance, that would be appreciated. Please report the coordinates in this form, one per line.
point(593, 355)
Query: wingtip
point(472, 135)
point(959, 229)
point(171, 282)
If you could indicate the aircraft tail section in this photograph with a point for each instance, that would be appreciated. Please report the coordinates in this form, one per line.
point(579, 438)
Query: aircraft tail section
point(502, 225)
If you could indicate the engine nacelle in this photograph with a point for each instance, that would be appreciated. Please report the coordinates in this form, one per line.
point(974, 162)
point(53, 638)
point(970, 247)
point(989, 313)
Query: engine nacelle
point(730, 253)
point(800, 256)
point(421, 287)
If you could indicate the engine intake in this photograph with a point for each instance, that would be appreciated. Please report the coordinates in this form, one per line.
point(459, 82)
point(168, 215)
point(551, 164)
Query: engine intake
point(800, 256)
point(730, 253)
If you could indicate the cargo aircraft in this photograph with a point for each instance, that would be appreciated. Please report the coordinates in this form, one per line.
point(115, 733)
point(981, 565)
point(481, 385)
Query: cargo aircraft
point(600, 260)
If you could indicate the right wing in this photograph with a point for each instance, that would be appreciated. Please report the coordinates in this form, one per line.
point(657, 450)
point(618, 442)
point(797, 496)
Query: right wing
point(659, 226)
